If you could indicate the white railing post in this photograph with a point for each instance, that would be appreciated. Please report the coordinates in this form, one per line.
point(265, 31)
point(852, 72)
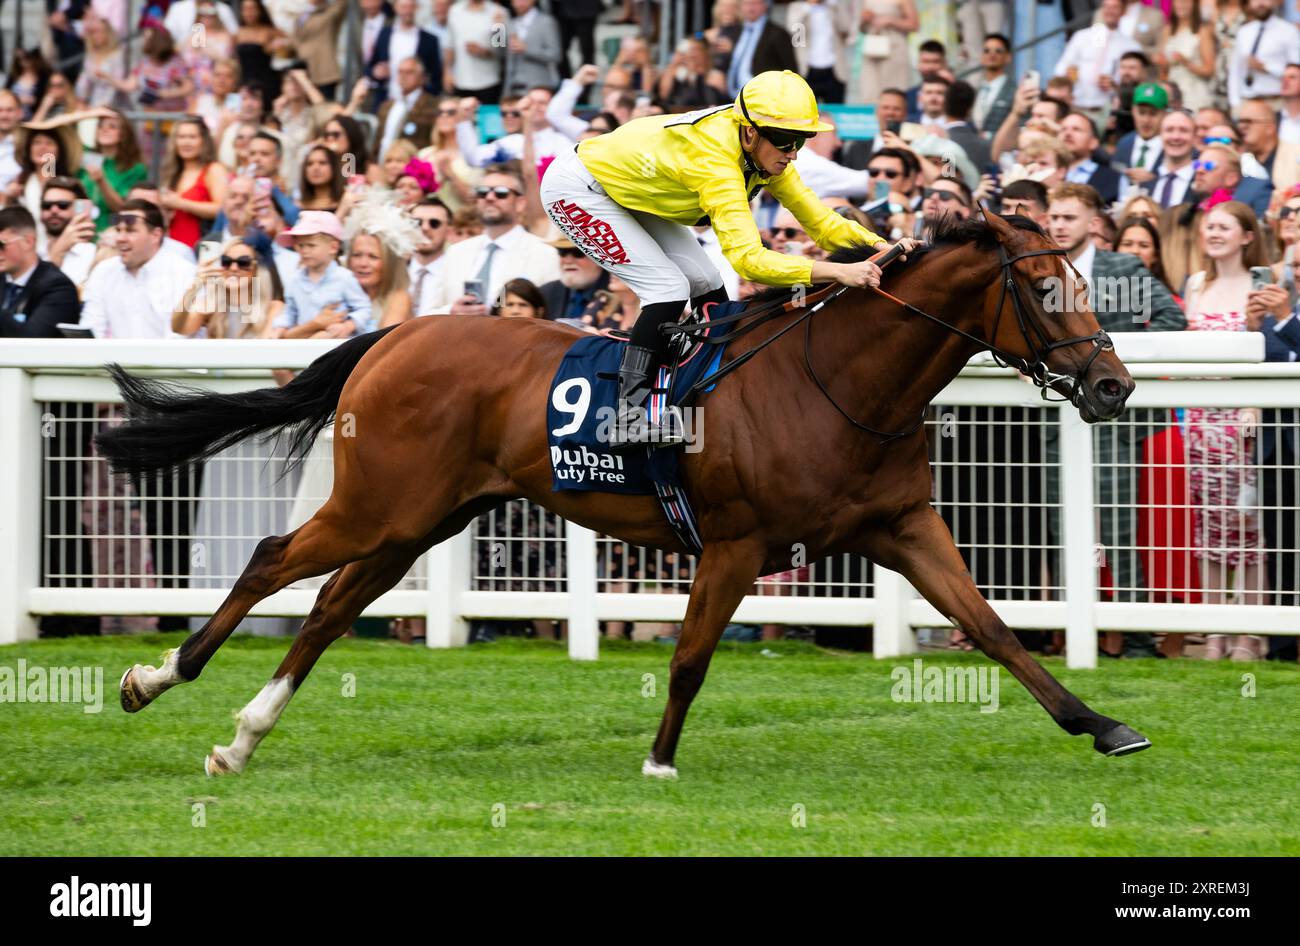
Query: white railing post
point(1078, 552)
point(20, 503)
point(892, 633)
point(449, 565)
point(580, 558)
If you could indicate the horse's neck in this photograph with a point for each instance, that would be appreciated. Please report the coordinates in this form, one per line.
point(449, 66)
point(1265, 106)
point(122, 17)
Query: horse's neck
point(899, 361)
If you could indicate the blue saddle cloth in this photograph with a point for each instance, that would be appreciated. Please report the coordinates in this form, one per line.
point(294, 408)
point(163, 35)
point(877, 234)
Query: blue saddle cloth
point(583, 395)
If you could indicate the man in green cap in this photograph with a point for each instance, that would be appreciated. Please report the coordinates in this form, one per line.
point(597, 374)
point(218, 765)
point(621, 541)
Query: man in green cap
point(1139, 151)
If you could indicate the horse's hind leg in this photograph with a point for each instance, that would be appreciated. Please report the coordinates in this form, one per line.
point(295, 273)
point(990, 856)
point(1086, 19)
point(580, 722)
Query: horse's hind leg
point(921, 548)
point(320, 545)
point(340, 602)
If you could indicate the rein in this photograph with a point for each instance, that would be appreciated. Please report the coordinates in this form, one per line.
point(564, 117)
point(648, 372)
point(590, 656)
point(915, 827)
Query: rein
point(1035, 368)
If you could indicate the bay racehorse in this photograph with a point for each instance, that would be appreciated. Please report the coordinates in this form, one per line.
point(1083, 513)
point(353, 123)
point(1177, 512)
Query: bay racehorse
point(448, 421)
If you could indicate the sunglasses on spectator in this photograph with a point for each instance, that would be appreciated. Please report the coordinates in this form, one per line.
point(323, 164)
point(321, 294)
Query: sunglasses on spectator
point(433, 223)
point(55, 204)
point(1218, 140)
point(876, 172)
point(945, 197)
point(245, 263)
point(569, 251)
point(127, 220)
point(787, 142)
point(500, 193)
point(511, 113)
point(788, 232)
point(1287, 212)
point(1204, 165)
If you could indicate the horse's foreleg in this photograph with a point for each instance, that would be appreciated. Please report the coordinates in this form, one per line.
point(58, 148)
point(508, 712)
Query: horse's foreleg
point(726, 572)
point(318, 546)
point(340, 602)
point(924, 553)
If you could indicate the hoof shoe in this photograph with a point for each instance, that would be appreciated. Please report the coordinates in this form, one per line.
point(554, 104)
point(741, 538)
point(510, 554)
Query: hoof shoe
point(215, 765)
point(653, 769)
point(1122, 740)
point(130, 692)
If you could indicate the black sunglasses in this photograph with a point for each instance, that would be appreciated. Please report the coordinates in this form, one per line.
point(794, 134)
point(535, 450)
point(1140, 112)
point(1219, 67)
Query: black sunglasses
point(876, 172)
point(239, 262)
point(788, 142)
point(945, 197)
point(1285, 212)
point(500, 193)
point(433, 223)
point(512, 113)
point(126, 220)
point(569, 251)
point(55, 204)
point(788, 232)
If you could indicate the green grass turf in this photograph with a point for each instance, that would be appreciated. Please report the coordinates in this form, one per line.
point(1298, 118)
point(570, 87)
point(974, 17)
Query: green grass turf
point(415, 762)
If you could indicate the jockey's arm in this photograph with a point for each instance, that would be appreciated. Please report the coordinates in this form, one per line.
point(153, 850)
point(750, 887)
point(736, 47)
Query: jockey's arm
point(824, 226)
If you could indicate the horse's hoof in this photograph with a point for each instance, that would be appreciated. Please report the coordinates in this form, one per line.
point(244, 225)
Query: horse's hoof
point(132, 696)
point(1121, 741)
point(215, 765)
point(653, 769)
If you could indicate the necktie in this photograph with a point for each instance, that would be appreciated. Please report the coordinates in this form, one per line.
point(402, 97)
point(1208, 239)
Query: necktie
point(12, 292)
point(743, 45)
point(418, 292)
point(1166, 186)
point(1254, 48)
point(1142, 156)
point(485, 271)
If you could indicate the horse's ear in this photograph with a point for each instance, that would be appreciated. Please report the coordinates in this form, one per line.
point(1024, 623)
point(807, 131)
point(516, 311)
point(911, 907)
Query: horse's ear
point(996, 223)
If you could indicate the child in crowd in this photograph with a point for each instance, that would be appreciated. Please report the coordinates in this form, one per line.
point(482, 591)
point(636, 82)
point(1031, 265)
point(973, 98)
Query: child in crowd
point(324, 299)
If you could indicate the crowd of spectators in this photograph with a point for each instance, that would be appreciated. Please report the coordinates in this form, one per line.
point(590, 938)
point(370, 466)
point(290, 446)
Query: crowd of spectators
point(158, 174)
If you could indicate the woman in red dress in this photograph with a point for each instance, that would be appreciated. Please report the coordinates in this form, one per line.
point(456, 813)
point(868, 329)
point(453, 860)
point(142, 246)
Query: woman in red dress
point(194, 182)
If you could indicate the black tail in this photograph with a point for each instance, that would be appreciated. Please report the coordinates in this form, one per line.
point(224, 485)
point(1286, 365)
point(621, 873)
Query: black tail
point(169, 425)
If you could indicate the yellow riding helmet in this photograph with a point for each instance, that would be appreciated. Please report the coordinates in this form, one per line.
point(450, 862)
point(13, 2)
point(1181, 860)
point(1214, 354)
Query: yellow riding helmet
point(779, 100)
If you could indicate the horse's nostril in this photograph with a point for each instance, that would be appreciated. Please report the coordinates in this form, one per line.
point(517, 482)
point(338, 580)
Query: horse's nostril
point(1110, 389)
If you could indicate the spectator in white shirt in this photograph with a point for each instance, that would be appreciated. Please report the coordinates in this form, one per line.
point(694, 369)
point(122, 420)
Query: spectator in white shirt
point(148, 191)
point(1265, 45)
point(11, 111)
point(1289, 117)
point(1091, 58)
point(427, 262)
point(617, 100)
point(818, 169)
point(474, 62)
point(134, 294)
point(71, 231)
point(504, 250)
point(547, 142)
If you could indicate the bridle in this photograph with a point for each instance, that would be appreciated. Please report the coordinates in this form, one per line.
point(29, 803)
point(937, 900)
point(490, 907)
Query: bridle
point(1036, 341)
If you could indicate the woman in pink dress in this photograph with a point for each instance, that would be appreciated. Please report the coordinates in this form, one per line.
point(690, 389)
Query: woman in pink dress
point(1220, 441)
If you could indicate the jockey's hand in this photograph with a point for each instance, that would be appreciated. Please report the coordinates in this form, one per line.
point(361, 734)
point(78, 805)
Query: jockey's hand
point(857, 275)
point(908, 244)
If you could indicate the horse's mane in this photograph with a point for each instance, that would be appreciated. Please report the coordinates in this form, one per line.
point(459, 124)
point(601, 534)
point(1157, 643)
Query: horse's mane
point(948, 231)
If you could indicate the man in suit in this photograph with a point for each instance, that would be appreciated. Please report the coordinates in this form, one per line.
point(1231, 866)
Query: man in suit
point(957, 103)
point(762, 46)
point(1079, 135)
point(580, 279)
point(401, 40)
point(35, 298)
point(931, 63)
point(411, 114)
point(1125, 297)
point(502, 252)
point(577, 20)
point(1259, 134)
point(996, 89)
point(534, 47)
point(1139, 150)
point(1278, 456)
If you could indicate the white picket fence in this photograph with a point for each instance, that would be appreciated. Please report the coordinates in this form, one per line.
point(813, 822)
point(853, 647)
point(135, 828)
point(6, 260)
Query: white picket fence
point(583, 578)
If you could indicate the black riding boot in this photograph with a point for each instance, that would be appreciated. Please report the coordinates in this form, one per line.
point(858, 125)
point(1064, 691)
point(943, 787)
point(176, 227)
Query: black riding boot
point(633, 428)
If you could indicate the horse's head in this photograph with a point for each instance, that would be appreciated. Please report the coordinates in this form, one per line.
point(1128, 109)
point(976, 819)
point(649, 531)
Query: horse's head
point(1039, 315)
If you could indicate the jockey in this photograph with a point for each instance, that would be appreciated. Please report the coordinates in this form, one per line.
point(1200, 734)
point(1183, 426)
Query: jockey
point(628, 199)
